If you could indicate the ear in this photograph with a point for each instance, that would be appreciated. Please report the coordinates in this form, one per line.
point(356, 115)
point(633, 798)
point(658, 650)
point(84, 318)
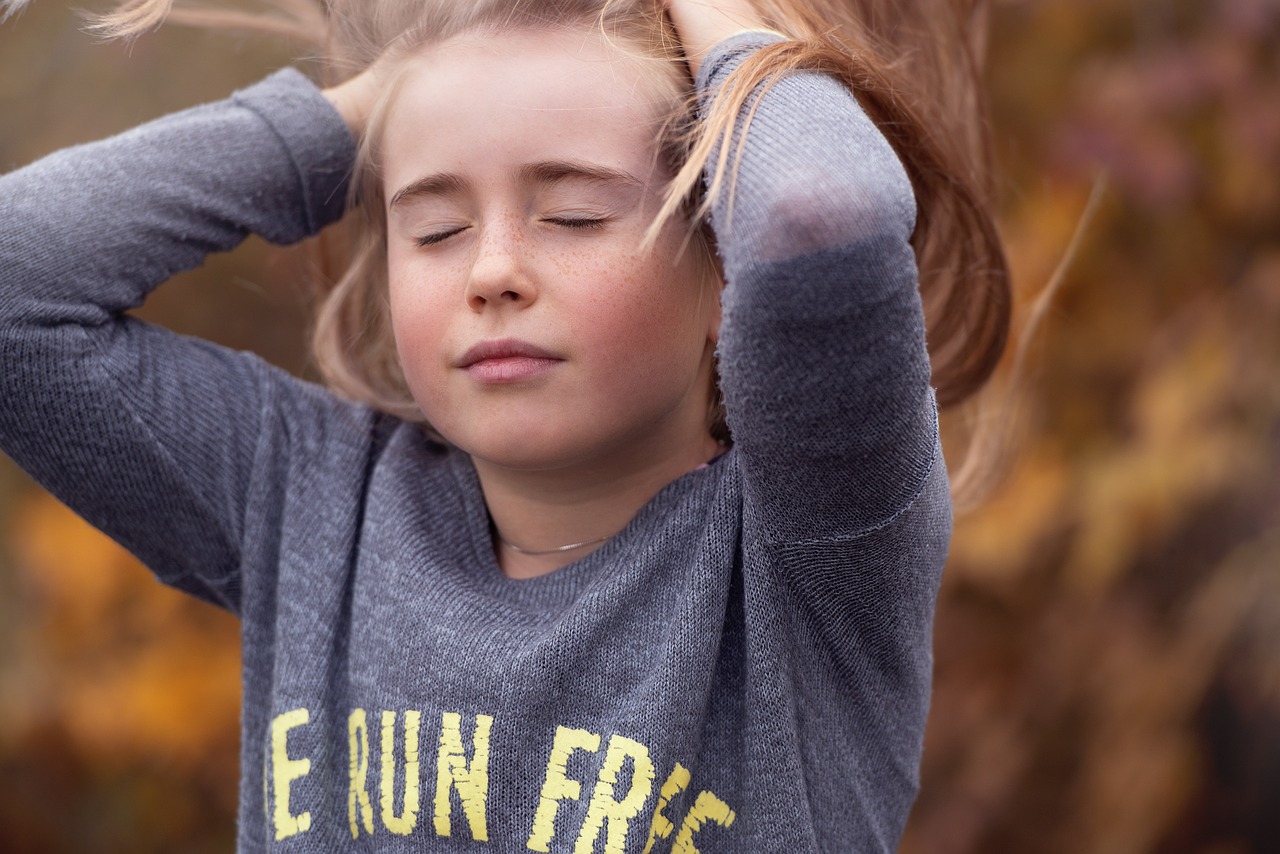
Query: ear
point(713, 277)
point(715, 314)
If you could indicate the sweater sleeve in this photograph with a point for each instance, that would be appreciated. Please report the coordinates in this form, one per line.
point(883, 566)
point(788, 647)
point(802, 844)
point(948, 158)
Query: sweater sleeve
point(822, 350)
point(149, 435)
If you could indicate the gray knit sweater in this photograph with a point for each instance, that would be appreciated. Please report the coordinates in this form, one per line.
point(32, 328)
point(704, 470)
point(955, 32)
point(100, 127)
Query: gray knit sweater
point(744, 668)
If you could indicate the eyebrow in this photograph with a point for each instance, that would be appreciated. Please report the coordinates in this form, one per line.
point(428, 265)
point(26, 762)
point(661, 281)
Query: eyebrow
point(555, 171)
point(547, 173)
point(442, 184)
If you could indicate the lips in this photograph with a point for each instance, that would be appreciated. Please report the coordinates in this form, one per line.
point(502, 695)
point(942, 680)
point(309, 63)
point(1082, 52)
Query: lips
point(503, 348)
point(506, 360)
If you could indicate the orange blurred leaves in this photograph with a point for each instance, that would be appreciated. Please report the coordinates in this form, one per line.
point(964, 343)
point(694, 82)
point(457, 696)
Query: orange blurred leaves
point(123, 666)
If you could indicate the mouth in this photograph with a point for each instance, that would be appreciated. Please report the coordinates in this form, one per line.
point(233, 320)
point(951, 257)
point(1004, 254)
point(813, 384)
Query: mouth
point(505, 360)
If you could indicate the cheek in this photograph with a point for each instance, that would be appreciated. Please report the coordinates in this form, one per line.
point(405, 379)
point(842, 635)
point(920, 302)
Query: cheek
point(416, 322)
point(649, 316)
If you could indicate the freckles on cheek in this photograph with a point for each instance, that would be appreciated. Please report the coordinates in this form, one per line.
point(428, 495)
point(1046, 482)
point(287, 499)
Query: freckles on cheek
point(645, 325)
point(652, 297)
point(414, 325)
point(620, 306)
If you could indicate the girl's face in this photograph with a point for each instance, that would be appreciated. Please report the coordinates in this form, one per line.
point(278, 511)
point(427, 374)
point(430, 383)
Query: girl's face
point(521, 173)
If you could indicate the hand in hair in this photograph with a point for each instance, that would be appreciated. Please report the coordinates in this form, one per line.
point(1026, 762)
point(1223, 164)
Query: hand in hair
point(702, 24)
point(354, 98)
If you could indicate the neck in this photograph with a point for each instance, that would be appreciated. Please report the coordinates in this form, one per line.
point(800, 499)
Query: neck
point(540, 511)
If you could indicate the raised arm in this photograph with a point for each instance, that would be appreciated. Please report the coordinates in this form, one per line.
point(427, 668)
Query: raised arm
point(703, 24)
point(822, 356)
point(827, 385)
point(150, 436)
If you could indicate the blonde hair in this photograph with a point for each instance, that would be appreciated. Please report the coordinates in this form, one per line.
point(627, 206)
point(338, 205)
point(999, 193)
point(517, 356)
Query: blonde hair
point(352, 340)
point(914, 65)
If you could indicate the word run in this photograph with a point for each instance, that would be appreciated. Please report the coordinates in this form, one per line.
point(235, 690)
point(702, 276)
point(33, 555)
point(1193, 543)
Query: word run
point(613, 810)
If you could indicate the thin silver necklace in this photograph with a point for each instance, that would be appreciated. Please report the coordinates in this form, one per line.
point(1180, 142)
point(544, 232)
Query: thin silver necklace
point(573, 546)
point(556, 550)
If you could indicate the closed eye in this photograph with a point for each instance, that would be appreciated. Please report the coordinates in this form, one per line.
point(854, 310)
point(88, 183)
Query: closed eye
point(439, 236)
point(576, 222)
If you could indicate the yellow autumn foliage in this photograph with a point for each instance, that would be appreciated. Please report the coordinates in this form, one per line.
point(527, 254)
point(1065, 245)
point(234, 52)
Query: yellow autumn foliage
point(124, 666)
point(1107, 677)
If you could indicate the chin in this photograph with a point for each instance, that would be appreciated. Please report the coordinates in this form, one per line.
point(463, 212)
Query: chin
point(556, 451)
point(519, 449)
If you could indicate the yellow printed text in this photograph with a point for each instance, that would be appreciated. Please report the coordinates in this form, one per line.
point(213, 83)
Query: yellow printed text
point(404, 823)
point(358, 790)
point(470, 779)
point(557, 786)
point(706, 808)
point(605, 804)
point(284, 771)
point(661, 826)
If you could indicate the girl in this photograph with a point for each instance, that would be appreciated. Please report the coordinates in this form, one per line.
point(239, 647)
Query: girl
point(626, 543)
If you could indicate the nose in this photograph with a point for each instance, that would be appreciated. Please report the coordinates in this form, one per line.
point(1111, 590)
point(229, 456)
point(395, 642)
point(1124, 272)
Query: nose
point(500, 271)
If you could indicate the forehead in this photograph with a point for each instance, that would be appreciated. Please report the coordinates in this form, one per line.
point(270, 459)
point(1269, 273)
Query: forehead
point(475, 102)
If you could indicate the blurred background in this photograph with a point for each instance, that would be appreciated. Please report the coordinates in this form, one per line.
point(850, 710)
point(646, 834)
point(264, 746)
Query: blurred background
point(1108, 637)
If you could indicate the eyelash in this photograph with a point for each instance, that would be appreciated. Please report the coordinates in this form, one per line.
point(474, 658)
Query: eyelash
point(433, 239)
point(577, 224)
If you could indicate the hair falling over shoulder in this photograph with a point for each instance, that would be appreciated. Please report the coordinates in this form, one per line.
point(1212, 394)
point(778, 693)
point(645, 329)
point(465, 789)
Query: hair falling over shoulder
point(916, 69)
point(914, 65)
